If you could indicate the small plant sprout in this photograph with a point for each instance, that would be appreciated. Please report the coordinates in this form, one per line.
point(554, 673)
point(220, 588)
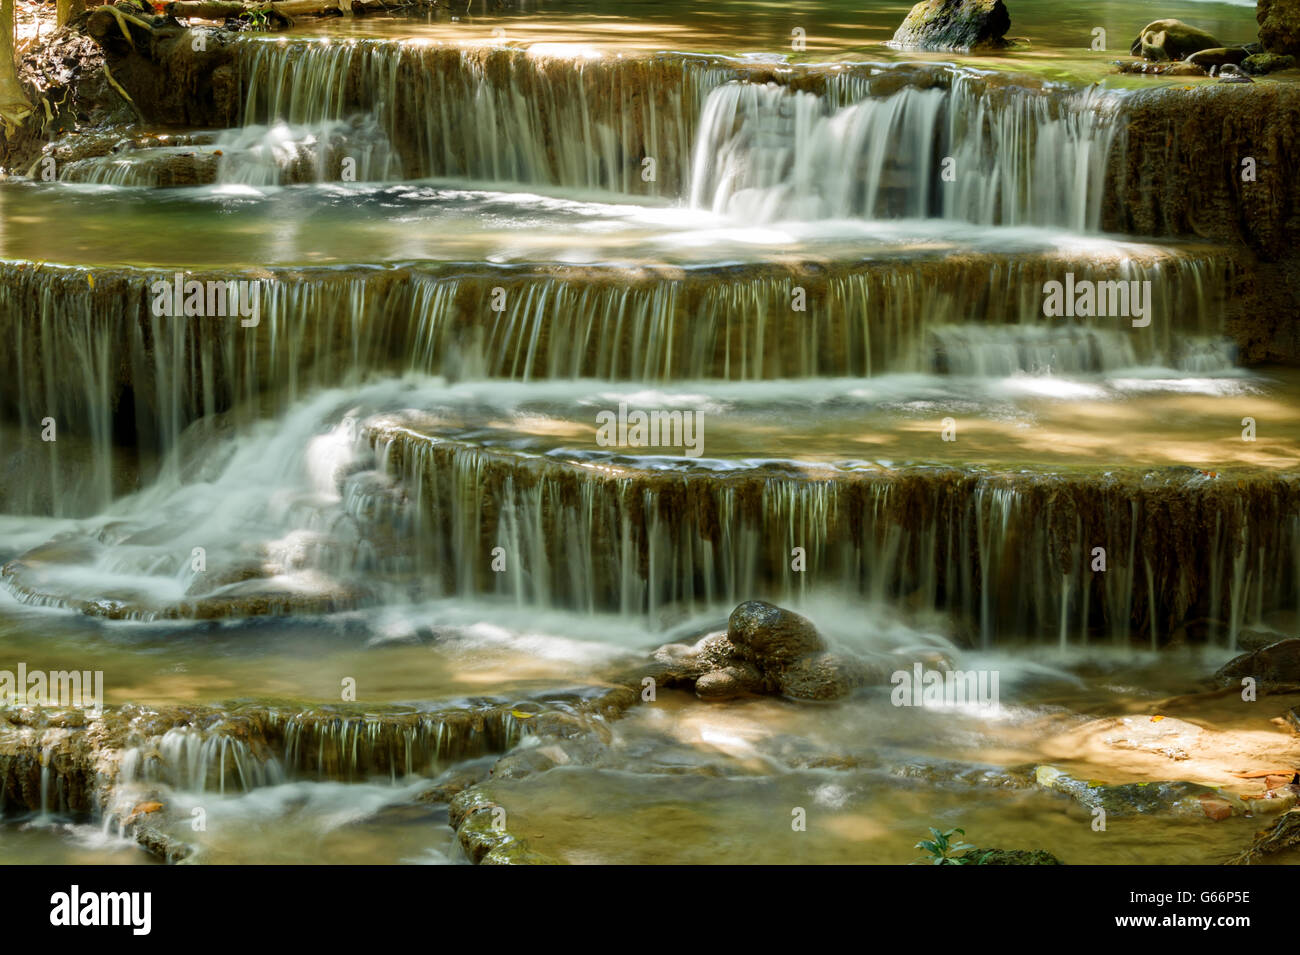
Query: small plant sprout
point(941, 847)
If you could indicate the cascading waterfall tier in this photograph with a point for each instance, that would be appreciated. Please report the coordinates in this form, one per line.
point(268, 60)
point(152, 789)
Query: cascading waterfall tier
point(759, 141)
point(74, 760)
point(971, 150)
point(1011, 552)
point(492, 114)
point(89, 350)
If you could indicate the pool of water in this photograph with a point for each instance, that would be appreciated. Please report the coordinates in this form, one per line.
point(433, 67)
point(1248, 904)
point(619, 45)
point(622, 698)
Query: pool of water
point(1056, 38)
point(248, 227)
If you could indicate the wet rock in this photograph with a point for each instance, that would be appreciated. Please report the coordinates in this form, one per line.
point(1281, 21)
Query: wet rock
point(165, 848)
point(1010, 857)
point(822, 676)
point(70, 477)
point(1228, 73)
point(1275, 664)
point(452, 785)
point(482, 831)
point(1257, 639)
point(1275, 800)
point(1218, 56)
point(1260, 63)
point(1171, 40)
point(771, 635)
point(766, 649)
point(715, 650)
point(729, 683)
point(1127, 799)
point(954, 25)
point(1166, 68)
point(1279, 25)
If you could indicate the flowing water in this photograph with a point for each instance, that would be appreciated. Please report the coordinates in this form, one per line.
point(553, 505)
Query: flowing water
point(458, 245)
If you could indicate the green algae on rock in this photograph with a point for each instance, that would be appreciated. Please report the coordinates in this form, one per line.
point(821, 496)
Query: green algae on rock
point(970, 25)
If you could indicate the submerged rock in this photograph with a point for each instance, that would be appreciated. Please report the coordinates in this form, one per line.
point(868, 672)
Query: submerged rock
point(1171, 40)
point(1272, 665)
point(1166, 68)
point(1127, 799)
point(482, 830)
point(1279, 25)
point(954, 25)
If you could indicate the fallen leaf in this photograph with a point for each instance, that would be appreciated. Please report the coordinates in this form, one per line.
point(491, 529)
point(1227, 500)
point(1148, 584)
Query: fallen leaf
point(1264, 773)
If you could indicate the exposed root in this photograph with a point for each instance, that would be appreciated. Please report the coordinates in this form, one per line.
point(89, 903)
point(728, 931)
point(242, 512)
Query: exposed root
point(122, 20)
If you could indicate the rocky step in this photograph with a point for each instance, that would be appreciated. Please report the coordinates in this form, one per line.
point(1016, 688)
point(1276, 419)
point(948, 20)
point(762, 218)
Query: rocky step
point(77, 761)
point(1009, 549)
point(985, 500)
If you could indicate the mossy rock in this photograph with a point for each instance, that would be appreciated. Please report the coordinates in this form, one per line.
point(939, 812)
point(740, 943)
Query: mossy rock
point(1009, 857)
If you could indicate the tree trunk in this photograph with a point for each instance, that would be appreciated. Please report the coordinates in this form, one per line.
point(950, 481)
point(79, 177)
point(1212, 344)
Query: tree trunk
point(67, 9)
point(14, 105)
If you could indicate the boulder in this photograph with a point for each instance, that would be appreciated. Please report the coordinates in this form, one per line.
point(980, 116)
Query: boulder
point(731, 682)
point(1171, 40)
point(1279, 25)
point(768, 634)
point(1260, 63)
point(1218, 56)
point(954, 25)
point(1277, 663)
point(766, 650)
point(822, 676)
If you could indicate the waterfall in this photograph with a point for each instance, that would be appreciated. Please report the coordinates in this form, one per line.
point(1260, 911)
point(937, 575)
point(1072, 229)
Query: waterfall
point(483, 114)
point(1004, 156)
point(126, 374)
point(1011, 551)
point(866, 142)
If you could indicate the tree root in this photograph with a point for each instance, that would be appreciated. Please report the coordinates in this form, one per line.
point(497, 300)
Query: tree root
point(122, 19)
point(112, 81)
